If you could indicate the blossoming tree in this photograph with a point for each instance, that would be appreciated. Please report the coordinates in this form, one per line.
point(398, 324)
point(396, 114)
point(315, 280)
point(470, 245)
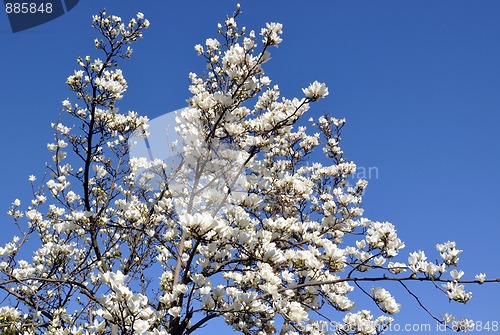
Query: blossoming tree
point(243, 225)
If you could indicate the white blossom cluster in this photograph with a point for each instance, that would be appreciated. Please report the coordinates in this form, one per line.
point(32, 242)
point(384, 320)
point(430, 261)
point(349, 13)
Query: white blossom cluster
point(362, 322)
point(245, 226)
point(384, 299)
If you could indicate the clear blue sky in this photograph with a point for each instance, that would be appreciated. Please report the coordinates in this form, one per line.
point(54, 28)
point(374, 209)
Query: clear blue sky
point(418, 82)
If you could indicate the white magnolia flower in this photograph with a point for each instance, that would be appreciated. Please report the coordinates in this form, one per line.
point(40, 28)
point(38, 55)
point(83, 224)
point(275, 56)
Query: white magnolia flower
point(272, 33)
point(456, 275)
point(296, 312)
point(212, 43)
point(174, 311)
point(140, 326)
point(396, 267)
point(448, 252)
point(385, 300)
point(457, 292)
point(199, 49)
point(464, 325)
point(480, 277)
point(316, 91)
point(379, 261)
point(448, 318)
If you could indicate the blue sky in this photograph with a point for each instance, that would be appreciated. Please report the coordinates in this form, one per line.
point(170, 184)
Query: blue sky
point(418, 82)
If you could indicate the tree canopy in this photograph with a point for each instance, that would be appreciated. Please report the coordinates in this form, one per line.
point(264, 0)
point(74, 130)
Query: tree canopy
point(242, 222)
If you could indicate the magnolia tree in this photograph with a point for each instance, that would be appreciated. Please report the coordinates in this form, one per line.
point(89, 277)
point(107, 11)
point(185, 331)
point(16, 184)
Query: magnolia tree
point(240, 224)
